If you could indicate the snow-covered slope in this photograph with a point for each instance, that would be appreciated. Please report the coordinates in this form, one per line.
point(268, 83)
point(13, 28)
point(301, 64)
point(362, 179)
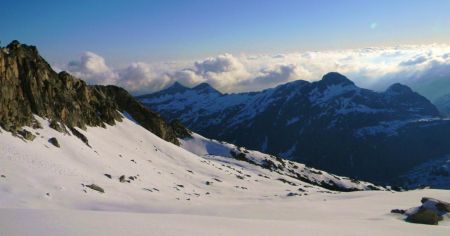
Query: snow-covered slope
point(229, 153)
point(37, 173)
point(43, 190)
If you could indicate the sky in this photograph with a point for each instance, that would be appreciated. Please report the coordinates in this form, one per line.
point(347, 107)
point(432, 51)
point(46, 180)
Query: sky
point(146, 45)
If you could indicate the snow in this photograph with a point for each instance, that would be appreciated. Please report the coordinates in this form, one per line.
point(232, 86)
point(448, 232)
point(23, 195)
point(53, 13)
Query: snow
point(361, 213)
point(221, 151)
point(43, 191)
point(130, 117)
point(434, 173)
point(192, 103)
point(317, 97)
point(390, 128)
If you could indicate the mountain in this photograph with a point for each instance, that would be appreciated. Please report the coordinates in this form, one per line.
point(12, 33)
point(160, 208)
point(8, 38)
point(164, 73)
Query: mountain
point(30, 87)
point(147, 186)
point(217, 150)
point(74, 158)
point(331, 124)
point(67, 105)
point(443, 104)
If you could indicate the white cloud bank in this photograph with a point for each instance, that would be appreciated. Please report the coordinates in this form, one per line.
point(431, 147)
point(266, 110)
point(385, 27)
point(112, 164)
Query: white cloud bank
point(424, 67)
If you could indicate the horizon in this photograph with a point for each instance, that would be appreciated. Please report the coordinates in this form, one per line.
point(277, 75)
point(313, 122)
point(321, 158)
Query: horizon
point(239, 47)
point(225, 117)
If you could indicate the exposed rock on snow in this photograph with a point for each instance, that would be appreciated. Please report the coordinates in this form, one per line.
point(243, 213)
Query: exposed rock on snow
point(430, 212)
point(215, 150)
point(54, 141)
point(96, 188)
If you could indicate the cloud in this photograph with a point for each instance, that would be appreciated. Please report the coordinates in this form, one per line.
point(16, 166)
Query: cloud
point(138, 77)
point(92, 68)
point(223, 72)
point(425, 68)
point(271, 77)
point(220, 64)
point(414, 61)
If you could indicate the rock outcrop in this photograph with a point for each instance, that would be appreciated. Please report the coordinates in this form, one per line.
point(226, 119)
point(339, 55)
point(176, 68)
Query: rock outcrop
point(430, 212)
point(28, 85)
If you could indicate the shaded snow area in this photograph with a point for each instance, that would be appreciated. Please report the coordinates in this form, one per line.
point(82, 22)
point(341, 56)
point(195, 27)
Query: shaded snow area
point(434, 174)
point(192, 103)
point(152, 187)
point(320, 98)
point(391, 128)
point(267, 165)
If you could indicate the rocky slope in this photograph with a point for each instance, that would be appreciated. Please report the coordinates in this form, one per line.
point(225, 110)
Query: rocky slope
point(28, 86)
point(330, 124)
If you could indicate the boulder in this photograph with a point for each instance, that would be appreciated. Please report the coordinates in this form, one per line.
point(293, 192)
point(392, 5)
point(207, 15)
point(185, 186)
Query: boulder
point(54, 141)
point(27, 135)
point(424, 216)
point(398, 211)
point(96, 188)
point(122, 179)
point(440, 205)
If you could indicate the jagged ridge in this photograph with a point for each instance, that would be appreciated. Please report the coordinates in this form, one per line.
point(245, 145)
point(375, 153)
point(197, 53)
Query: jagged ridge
point(30, 86)
point(330, 124)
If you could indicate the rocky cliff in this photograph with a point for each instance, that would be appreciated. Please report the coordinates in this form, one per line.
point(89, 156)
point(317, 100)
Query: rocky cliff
point(28, 85)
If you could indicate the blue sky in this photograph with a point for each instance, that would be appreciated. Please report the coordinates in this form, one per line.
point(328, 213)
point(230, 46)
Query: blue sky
point(125, 31)
point(238, 45)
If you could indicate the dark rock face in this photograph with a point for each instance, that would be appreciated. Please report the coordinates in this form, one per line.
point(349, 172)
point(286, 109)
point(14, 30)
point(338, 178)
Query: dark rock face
point(27, 135)
point(430, 212)
point(54, 141)
point(144, 116)
point(330, 124)
point(79, 135)
point(28, 86)
point(440, 205)
point(96, 188)
point(424, 216)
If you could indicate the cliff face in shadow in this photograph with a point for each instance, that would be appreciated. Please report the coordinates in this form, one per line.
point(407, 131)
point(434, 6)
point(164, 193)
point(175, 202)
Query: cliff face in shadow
point(28, 85)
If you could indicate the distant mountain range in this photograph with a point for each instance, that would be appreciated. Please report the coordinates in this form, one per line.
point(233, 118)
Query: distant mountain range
point(57, 133)
point(330, 124)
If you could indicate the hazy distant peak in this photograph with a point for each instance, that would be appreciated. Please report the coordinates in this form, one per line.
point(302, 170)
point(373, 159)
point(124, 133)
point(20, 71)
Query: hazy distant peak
point(333, 78)
point(205, 88)
point(398, 88)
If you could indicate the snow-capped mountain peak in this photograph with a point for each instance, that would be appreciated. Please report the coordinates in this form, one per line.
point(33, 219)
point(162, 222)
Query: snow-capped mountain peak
point(303, 121)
